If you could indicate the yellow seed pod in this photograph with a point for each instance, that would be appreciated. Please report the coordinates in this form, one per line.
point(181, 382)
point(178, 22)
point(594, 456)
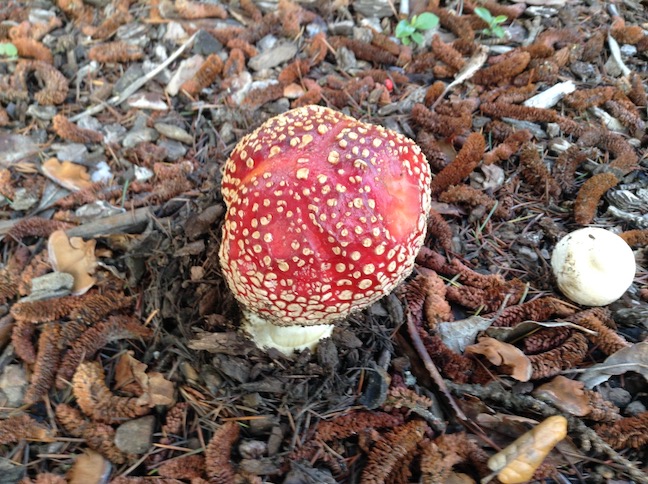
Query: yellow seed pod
point(518, 462)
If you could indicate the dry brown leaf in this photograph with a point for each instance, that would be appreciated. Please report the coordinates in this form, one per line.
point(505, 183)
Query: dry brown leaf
point(89, 468)
point(67, 174)
point(565, 394)
point(503, 354)
point(156, 390)
point(518, 462)
point(73, 256)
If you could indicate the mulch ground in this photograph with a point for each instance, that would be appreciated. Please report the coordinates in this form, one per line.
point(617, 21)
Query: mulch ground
point(116, 118)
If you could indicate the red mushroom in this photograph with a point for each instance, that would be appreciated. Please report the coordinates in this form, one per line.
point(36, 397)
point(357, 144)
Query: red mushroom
point(325, 215)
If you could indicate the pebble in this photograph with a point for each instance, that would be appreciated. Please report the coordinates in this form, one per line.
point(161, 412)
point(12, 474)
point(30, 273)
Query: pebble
point(132, 74)
point(267, 42)
point(114, 133)
point(174, 132)
point(227, 132)
point(252, 449)
point(343, 27)
point(346, 59)
point(135, 33)
point(585, 71)
point(279, 106)
point(138, 136)
point(293, 91)
point(135, 436)
point(280, 53)
point(23, 200)
point(373, 8)
point(97, 210)
point(205, 44)
point(176, 33)
point(75, 152)
point(142, 173)
point(101, 173)
point(628, 50)
point(10, 473)
point(13, 383)
point(174, 149)
point(363, 34)
point(46, 113)
point(16, 147)
point(618, 396)
point(635, 408)
point(39, 15)
point(160, 53)
point(89, 122)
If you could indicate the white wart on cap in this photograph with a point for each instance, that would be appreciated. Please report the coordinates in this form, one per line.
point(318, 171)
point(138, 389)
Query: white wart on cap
point(593, 266)
point(325, 215)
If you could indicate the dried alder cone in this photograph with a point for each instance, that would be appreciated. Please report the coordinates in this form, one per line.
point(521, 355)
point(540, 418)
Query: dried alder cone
point(325, 216)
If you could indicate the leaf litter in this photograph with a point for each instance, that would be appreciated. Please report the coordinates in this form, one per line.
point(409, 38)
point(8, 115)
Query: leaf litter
point(127, 110)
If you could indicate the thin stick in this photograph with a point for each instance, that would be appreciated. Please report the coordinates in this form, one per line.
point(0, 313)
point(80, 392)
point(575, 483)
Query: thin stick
point(132, 88)
point(431, 367)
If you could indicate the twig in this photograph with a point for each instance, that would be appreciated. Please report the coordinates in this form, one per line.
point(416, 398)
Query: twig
point(132, 88)
point(431, 368)
point(123, 223)
point(472, 66)
point(528, 403)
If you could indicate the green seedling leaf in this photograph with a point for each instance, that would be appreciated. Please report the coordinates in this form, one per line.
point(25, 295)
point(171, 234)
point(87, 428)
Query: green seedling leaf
point(484, 14)
point(406, 41)
point(498, 32)
point(8, 49)
point(500, 19)
point(417, 37)
point(404, 30)
point(425, 21)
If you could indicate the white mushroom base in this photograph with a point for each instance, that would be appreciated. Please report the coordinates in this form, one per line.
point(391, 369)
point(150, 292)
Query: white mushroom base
point(286, 339)
point(593, 266)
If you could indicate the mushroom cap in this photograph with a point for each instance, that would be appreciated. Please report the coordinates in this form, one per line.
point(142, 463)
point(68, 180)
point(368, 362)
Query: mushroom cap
point(593, 266)
point(325, 215)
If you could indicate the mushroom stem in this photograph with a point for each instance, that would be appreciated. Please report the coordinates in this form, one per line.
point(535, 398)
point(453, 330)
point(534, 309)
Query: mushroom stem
point(285, 339)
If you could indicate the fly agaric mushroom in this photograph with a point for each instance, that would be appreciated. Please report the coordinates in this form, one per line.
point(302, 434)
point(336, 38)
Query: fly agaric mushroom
point(593, 266)
point(325, 215)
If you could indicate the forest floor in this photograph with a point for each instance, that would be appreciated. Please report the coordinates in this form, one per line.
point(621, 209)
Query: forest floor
point(120, 359)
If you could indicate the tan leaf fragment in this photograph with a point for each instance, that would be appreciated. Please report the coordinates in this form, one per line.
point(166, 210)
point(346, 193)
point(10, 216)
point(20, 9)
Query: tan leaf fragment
point(154, 388)
point(73, 256)
point(567, 395)
point(67, 174)
point(503, 354)
point(518, 462)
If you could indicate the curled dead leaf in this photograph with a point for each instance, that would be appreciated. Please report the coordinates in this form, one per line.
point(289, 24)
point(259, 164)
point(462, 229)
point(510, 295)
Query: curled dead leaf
point(73, 256)
point(67, 174)
point(517, 462)
point(632, 358)
point(503, 355)
point(153, 388)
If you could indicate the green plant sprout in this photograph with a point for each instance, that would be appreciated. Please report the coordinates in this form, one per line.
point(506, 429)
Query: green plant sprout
point(7, 49)
point(409, 30)
point(494, 27)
